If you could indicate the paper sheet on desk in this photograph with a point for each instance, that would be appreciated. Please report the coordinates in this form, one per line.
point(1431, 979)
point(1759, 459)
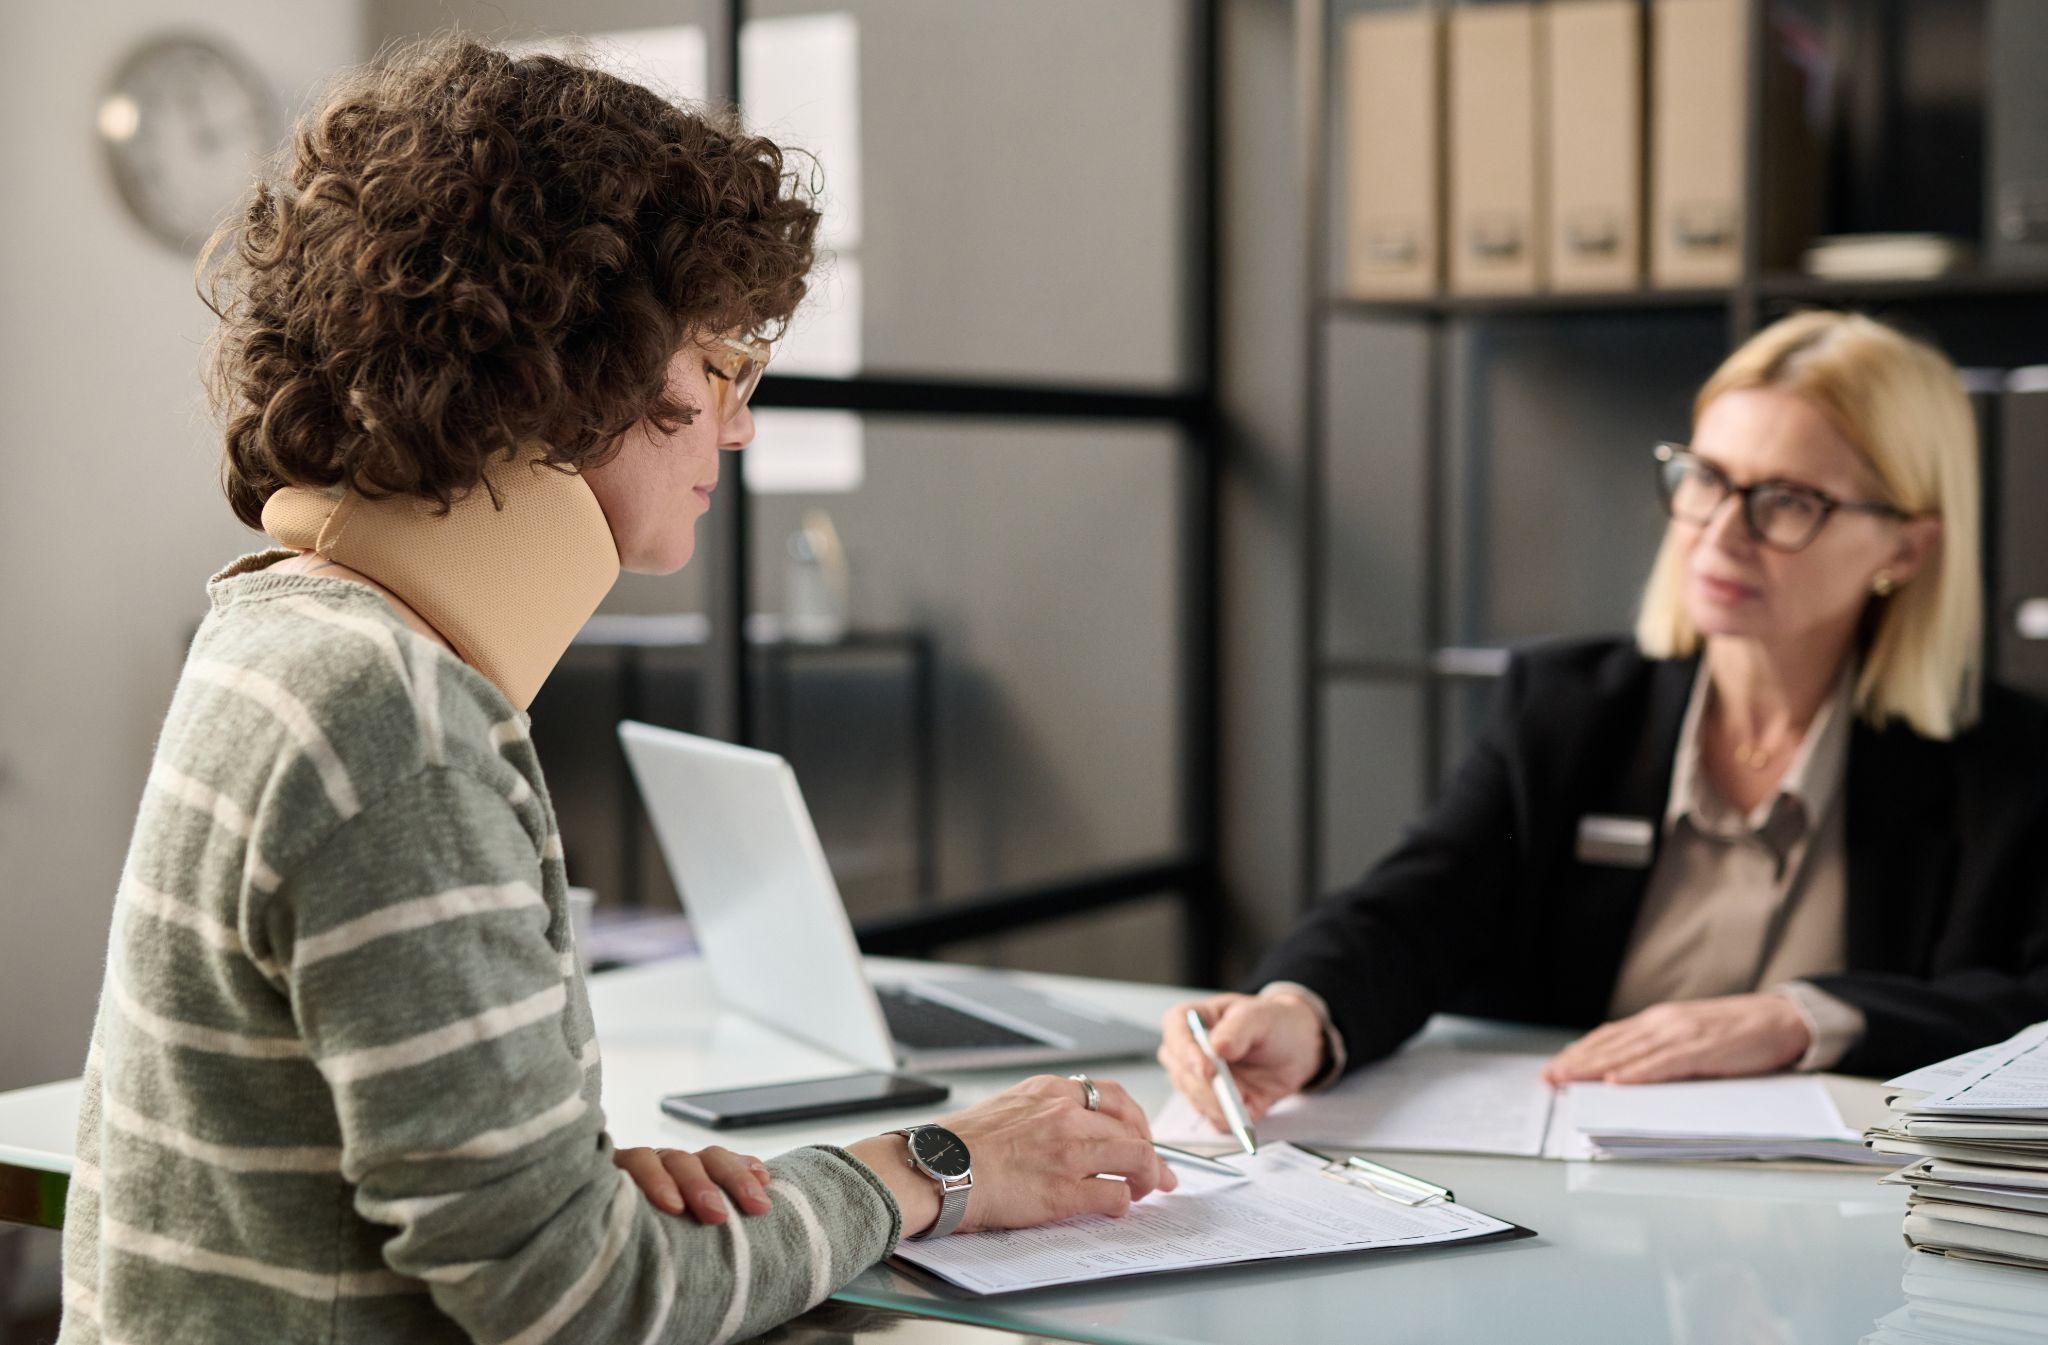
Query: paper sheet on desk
point(1946, 1074)
point(1286, 1210)
point(1782, 1116)
point(1426, 1100)
point(2010, 1078)
point(1777, 1107)
point(1451, 1101)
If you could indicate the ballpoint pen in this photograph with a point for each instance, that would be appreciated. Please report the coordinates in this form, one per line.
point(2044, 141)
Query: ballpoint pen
point(1400, 1187)
point(1194, 1160)
point(1225, 1087)
point(1379, 1174)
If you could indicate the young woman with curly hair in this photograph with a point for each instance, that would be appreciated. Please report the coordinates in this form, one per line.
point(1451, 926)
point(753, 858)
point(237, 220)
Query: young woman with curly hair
point(479, 350)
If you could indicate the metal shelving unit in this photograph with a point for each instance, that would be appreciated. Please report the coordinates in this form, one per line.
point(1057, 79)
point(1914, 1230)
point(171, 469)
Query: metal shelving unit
point(2009, 305)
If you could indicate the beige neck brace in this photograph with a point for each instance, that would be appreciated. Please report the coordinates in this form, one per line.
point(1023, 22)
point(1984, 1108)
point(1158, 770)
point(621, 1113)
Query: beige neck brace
point(509, 588)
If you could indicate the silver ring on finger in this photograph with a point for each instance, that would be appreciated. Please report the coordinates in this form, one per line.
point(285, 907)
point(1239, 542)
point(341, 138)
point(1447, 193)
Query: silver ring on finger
point(1090, 1098)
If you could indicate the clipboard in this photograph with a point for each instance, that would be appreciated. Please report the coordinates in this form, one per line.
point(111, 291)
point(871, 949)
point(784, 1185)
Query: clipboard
point(1281, 1211)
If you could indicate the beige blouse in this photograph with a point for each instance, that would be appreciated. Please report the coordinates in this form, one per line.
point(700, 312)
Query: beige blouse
point(1739, 902)
point(1736, 902)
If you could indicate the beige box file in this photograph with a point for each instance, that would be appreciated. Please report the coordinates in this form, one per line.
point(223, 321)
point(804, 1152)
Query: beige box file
point(1699, 72)
point(1495, 235)
point(1699, 68)
point(1593, 100)
point(1393, 122)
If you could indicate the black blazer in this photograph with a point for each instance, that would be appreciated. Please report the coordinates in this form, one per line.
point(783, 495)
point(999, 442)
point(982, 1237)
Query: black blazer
point(1485, 909)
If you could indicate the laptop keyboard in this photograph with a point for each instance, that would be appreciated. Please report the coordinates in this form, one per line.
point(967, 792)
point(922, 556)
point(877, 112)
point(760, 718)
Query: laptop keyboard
point(924, 1025)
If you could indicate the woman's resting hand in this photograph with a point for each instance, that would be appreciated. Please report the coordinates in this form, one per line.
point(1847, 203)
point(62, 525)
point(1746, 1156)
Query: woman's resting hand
point(698, 1184)
point(1722, 1037)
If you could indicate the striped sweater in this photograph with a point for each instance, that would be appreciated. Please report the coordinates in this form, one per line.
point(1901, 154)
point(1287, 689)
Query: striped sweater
point(342, 1086)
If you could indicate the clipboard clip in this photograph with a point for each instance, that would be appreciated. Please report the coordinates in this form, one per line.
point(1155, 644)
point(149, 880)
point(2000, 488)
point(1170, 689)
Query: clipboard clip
point(1389, 1183)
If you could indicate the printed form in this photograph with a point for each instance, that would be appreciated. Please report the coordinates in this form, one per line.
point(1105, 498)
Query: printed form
point(2010, 1079)
point(1441, 1100)
point(1283, 1208)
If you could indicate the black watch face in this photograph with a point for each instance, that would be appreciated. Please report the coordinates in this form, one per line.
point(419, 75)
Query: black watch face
point(940, 1150)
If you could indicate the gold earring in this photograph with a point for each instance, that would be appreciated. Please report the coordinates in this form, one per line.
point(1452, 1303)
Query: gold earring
point(1882, 584)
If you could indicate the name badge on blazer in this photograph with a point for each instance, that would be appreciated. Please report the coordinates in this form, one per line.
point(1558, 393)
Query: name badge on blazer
point(1616, 842)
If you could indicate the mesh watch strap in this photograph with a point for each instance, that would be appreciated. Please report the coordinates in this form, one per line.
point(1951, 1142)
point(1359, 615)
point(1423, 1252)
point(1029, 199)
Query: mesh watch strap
point(952, 1208)
point(953, 1192)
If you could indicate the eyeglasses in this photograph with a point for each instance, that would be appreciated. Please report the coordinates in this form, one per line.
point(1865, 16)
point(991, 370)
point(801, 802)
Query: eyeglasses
point(1783, 515)
point(736, 367)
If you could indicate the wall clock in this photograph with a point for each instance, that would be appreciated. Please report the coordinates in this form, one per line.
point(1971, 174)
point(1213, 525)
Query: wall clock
point(185, 123)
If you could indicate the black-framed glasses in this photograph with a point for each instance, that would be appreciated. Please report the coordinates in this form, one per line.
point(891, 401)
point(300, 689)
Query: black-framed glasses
point(1783, 515)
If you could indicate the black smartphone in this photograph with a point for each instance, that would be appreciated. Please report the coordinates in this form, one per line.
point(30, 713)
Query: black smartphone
point(840, 1095)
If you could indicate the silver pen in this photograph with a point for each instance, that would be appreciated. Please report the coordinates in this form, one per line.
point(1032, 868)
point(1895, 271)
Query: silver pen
point(1194, 1160)
point(1396, 1185)
point(1225, 1087)
point(1379, 1173)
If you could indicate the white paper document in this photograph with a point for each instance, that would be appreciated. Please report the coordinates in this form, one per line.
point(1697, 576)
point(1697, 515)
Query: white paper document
point(1954, 1172)
point(2010, 1079)
point(1946, 1074)
point(1443, 1100)
point(1783, 1107)
point(1287, 1209)
point(1429, 1099)
point(1566, 1140)
point(1784, 1116)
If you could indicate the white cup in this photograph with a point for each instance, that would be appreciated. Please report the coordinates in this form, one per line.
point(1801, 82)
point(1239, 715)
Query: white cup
point(582, 903)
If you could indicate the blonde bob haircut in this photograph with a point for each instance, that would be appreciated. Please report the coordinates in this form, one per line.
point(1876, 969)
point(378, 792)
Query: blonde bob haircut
point(1901, 404)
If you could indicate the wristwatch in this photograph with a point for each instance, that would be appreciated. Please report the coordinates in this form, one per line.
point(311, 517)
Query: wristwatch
point(942, 1155)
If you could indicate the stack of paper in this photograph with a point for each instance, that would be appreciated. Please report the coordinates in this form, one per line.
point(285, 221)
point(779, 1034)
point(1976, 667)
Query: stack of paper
point(1976, 1128)
point(1781, 1117)
point(1950, 1301)
point(1896, 256)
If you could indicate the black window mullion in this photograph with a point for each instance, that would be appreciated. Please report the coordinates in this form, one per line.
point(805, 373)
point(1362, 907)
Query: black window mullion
point(1006, 400)
point(1192, 873)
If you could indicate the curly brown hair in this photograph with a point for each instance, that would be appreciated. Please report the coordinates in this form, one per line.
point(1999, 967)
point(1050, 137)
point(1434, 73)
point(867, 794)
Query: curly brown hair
point(471, 253)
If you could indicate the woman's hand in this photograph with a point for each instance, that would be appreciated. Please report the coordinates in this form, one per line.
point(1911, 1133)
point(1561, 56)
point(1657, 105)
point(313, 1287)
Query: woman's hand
point(1273, 1044)
point(1716, 1038)
point(1037, 1152)
point(680, 1182)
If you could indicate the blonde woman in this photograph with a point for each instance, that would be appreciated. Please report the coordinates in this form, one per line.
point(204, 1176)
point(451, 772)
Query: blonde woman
point(1786, 827)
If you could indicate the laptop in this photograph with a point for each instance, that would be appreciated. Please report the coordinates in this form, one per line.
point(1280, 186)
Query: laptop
point(774, 932)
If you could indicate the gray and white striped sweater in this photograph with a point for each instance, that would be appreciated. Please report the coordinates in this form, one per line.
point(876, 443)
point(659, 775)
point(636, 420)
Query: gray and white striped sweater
point(343, 1085)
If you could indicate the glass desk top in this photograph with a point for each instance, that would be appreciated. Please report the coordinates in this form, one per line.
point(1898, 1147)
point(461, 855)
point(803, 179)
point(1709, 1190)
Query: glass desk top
point(1630, 1253)
point(1634, 1255)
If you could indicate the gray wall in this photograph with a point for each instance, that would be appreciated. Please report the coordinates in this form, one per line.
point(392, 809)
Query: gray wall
point(110, 520)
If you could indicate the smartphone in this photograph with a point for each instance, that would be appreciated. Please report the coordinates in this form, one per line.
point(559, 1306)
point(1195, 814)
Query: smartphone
point(840, 1095)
